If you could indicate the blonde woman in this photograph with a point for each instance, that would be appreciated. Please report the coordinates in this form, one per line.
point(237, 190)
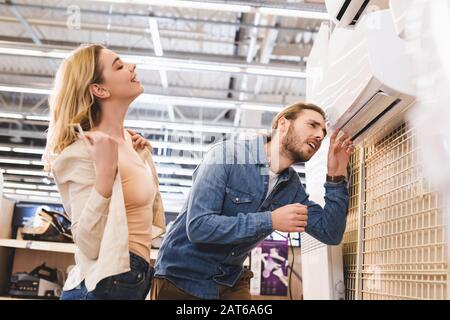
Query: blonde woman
point(106, 177)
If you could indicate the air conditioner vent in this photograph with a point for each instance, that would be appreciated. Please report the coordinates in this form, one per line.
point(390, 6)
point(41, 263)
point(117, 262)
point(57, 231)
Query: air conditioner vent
point(359, 13)
point(377, 106)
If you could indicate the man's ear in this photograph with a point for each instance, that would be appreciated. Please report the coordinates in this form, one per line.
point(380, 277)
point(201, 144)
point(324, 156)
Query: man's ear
point(99, 91)
point(283, 125)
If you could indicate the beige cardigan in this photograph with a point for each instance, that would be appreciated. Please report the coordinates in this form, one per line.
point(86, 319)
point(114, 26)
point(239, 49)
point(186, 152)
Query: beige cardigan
point(99, 225)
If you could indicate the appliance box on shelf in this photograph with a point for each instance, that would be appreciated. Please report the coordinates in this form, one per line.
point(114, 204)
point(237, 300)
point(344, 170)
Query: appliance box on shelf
point(269, 262)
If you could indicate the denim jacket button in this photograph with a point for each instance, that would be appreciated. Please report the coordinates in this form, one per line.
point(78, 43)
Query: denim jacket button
point(232, 253)
point(237, 199)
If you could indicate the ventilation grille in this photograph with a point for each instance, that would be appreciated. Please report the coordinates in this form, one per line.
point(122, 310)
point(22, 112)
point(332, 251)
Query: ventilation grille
point(350, 240)
point(403, 250)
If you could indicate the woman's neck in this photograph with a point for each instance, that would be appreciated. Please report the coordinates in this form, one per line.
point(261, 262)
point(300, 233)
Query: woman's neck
point(111, 122)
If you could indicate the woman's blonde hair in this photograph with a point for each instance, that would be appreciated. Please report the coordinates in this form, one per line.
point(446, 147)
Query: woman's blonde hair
point(71, 101)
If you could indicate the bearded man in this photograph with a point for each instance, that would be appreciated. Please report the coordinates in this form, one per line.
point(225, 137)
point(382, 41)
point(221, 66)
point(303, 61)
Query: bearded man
point(243, 191)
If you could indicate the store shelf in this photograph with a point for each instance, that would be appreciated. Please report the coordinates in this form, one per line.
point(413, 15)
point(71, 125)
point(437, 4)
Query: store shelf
point(38, 245)
point(48, 246)
point(16, 298)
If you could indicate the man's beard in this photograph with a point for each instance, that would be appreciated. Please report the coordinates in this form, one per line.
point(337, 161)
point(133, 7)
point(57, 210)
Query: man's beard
point(291, 147)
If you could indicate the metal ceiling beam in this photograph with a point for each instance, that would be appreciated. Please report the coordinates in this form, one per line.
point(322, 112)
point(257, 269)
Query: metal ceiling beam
point(304, 12)
point(24, 22)
point(63, 11)
point(53, 187)
point(157, 159)
point(40, 180)
point(126, 30)
point(132, 123)
point(166, 63)
point(65, 44)
point(158, 99)
point(181, 172)
point(287, 50)
point(161, 170)
point(150, 87)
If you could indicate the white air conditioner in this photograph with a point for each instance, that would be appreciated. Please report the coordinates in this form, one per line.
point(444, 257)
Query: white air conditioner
point(322, 272)
point(347, 13)
point(399, 9)
point(360, 76)
point(322, 265)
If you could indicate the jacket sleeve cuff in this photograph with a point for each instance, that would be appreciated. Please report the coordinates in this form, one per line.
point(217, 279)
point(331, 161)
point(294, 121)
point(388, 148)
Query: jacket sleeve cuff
point(265, 222)
point(97, 203)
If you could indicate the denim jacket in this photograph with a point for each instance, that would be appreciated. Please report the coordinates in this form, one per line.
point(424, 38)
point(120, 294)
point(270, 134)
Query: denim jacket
point(227, 214)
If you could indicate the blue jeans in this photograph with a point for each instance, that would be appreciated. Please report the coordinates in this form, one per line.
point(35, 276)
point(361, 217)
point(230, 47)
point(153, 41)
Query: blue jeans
point(132, 285)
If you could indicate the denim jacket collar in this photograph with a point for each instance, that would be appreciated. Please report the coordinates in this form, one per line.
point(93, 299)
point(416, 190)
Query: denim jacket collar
point(257, 150)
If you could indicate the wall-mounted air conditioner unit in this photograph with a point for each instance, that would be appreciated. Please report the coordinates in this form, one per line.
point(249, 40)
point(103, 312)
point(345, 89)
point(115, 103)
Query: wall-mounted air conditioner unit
point(360, 76)
point(347, 13)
